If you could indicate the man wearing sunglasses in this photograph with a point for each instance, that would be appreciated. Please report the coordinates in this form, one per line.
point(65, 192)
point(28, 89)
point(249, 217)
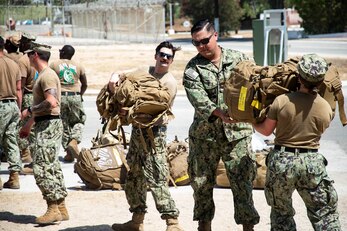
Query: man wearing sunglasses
point(48, 129)
point(148, 162)
point(212, 135)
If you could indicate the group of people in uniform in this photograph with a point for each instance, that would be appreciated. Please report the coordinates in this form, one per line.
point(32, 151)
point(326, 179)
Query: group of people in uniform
point(41, 109)
point(298, 120)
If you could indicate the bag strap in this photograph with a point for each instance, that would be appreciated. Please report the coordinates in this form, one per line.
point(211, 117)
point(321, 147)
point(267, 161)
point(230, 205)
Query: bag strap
point(340, 102)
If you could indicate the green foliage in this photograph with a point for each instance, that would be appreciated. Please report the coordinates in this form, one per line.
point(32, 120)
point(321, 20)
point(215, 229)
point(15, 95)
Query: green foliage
point(253, 8)
point(321, 16)
point(230, 12)
point(21, 13)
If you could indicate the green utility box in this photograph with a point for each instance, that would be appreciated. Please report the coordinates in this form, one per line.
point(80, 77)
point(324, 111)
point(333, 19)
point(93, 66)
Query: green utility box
point(273, 46)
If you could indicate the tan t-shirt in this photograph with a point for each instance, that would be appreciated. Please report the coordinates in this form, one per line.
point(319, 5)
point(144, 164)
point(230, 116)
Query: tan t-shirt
point(15, 56)
point(167, 80)
point(47, 79)
point(301, 119)
point(9, 75)
point(28, 72)
point(69, 73)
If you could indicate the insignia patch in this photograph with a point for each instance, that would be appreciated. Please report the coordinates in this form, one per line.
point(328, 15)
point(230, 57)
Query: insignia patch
point(191, 73)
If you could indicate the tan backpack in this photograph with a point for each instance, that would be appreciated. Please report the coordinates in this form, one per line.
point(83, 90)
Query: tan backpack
point(104, 165)
point(251, 89)
point(331, 91)
point(105, 104)
point(145, 97)
point(177, 154)
point(259, 181)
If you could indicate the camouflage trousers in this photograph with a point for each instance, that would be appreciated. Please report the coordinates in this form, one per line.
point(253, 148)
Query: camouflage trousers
point(149, 169)
point(29, 141)
point(73, 117)
point(240, 165)
point(305, 172)
point(9, 114)
point(46, 166)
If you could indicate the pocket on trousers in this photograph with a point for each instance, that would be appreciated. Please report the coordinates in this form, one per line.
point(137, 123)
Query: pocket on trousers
point(315, 170)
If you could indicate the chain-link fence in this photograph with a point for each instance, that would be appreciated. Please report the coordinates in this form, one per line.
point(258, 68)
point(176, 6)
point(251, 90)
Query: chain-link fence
point(120, 20)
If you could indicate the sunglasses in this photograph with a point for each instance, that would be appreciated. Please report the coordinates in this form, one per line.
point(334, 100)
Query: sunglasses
point(163, 55)
point(202, 41)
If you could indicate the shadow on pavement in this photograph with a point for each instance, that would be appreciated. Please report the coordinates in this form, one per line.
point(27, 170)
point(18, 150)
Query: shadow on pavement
point(89, 228)
point(15, 218)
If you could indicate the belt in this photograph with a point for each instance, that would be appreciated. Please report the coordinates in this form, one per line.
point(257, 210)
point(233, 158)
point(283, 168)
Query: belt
point(27, 92)
point(300, 150)
point(7, 100)
point(46, 117)
point(69, 93)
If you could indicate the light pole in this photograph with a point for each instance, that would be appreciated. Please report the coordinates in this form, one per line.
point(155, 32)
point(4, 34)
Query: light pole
point(216, 15)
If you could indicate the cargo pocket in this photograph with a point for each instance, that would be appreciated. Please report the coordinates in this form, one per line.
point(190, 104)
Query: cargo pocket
point(315, 170)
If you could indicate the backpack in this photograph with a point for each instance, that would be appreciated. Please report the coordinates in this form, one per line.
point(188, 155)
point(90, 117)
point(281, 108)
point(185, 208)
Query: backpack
point(177, 154)
point(145, 97)
point(331, 91)
point(102, 167)
point(259, 181)
point(251, 89)
point(105, 104)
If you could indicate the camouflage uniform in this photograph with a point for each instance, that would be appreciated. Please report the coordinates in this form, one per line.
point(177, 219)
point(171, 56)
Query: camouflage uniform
point(9, 114)
point(74, 117)
point(72, 112)
point(295, 163)
point(47, 170)
point(210, 139)
point(149, 167)
point(305, 172)
point(29, 75)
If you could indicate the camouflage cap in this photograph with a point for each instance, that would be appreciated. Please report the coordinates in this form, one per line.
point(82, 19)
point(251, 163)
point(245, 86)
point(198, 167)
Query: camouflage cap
point(39, 48)
point(312, 68)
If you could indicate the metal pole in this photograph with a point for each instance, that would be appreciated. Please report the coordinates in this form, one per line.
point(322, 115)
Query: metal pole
point(63, 20)
point(216, 15)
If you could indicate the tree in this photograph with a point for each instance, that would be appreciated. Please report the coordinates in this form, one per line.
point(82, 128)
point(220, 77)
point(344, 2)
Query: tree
point(321, 16)
point(230, 12)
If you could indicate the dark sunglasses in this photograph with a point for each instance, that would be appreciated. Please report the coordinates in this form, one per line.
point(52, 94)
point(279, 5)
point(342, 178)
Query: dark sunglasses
point(162, 55)
point(202, 41)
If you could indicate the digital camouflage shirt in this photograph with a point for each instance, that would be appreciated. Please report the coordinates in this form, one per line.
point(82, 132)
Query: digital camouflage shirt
point(204, 85)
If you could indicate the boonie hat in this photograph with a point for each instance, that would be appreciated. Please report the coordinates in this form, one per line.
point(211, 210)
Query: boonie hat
point(39, 48)
point(312, 68)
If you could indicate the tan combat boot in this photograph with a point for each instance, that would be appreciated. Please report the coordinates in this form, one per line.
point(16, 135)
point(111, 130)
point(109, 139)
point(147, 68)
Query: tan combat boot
point(135, 224)
point(204, 226)
point(172, 225)
point(62, 209)
point(26, 156)
point(13, 181)
point(248, 227)
point(28, 169)
point(51, 216)
point(71, 151)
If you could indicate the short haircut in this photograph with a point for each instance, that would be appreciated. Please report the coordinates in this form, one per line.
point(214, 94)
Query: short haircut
point(44, 56)
point(169, 45)
point(202, 24)
point(2, 43)
point(67, 51)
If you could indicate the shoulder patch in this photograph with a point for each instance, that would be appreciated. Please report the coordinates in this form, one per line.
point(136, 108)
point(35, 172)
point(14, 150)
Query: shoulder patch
point(191, 73)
